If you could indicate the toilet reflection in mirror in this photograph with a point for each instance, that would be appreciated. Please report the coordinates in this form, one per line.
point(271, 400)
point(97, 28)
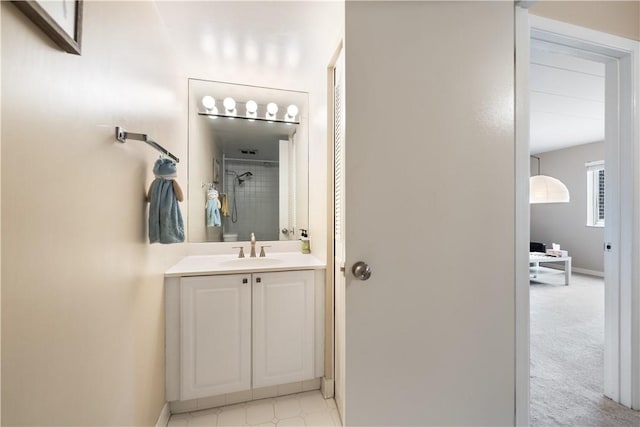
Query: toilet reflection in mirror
point(250, 144)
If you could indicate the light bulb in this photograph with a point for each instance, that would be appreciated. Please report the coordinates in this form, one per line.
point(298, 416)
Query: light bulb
point(272, 109)
point(252, 108)
point(208, 102)
point(229, 105)
point(292, 112)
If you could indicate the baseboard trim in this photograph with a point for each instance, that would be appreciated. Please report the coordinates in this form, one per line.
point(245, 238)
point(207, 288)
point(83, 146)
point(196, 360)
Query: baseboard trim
point(163, 419)
point(589, 272)
point(327, 387)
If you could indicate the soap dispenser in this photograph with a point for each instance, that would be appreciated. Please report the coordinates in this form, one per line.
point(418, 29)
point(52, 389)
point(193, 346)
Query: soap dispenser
point(305, 243)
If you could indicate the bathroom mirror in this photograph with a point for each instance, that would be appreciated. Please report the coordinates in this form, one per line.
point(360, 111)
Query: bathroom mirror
point(254, 157)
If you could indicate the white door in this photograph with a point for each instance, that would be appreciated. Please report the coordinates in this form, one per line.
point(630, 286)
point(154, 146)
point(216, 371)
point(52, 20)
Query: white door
point(283, 327)
point(430, 207)
point(339, 229)
point(215, 314)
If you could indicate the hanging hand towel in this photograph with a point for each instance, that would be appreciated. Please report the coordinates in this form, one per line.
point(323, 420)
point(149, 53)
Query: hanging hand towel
point(165, 218)
point(224, 209)
point(213, 209)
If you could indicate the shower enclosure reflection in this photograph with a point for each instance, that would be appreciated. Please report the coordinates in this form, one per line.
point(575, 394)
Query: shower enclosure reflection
point(252, 200)
point(234, 198)
point(254, 159)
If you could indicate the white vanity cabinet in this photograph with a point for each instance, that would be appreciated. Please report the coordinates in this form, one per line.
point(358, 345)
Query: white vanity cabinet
point(283, 327)
point(215, 332)
point(228, 333)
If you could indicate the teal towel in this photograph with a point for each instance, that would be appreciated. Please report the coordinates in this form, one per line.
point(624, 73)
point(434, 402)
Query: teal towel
point(213, 209)
point(165, 218)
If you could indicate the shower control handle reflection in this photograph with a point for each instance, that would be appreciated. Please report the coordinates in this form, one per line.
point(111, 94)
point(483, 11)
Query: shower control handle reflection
point(361, 270)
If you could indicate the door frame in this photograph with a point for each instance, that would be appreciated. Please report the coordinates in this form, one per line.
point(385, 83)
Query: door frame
point(622, 312)
point(336, 271)
point(329, 381)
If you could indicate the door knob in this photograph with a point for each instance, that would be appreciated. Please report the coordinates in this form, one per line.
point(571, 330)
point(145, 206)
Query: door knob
point(361, 270)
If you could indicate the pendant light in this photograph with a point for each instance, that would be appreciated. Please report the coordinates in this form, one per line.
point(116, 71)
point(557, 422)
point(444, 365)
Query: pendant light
point(546, 189)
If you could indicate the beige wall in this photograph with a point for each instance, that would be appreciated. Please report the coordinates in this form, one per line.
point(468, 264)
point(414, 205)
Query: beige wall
point(82, 297)
point(82, 318)
point(621, 18)
point(565, 223)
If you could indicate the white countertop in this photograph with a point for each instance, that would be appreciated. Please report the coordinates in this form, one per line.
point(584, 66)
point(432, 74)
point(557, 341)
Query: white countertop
point(199, 265)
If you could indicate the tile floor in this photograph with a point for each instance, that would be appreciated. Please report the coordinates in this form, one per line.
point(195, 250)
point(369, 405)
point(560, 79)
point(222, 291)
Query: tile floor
point(295, 410)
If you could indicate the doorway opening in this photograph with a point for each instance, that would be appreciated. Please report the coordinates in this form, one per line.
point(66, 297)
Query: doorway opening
point(567, 143)
point(616, 57)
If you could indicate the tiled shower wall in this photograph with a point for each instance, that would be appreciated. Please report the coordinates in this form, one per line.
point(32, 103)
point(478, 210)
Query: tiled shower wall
point(256, 198)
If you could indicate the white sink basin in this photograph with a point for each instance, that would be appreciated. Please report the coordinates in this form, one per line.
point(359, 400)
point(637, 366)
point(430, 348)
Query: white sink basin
point(251, 262)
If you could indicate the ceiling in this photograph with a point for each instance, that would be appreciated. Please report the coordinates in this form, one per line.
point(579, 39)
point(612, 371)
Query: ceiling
point(567, 99)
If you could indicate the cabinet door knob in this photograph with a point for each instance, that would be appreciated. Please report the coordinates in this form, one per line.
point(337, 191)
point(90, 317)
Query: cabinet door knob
point(258, 280)
point(245, 281)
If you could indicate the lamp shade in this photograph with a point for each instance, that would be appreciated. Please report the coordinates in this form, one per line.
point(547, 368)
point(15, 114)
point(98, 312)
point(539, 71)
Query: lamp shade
point(545, 189)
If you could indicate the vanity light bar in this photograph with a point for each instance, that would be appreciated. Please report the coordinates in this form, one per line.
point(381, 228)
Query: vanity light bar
point(251, 111)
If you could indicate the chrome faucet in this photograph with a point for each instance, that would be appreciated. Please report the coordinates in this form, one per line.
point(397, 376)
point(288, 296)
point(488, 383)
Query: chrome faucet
point(253, 246)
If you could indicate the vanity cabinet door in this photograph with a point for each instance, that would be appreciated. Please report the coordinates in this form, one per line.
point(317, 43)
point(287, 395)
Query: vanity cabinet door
point(283, 327)
point(215, 313)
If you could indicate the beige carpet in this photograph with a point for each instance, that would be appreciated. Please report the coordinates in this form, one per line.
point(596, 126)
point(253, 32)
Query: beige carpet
point(567, 338)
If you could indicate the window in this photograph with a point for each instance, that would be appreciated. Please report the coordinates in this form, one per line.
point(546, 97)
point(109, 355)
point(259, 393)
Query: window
point(595, 194)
